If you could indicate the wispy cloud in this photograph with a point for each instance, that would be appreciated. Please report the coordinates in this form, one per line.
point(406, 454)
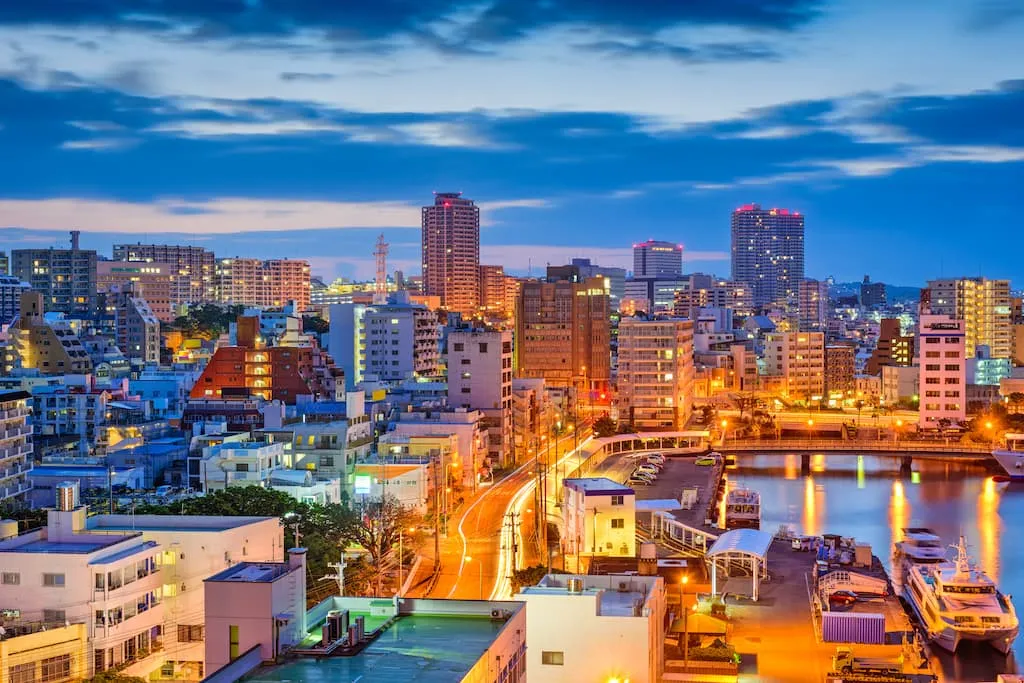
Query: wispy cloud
point(224, 215)
point(99, 144)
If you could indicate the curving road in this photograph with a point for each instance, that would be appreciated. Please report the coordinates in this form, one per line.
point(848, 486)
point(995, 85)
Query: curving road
point(476, 558)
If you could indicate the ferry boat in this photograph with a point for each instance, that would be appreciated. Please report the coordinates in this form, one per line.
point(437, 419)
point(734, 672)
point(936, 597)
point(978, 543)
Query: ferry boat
point(742, 509)
point(920, 545)
point(1011, 458)
point(957, 602)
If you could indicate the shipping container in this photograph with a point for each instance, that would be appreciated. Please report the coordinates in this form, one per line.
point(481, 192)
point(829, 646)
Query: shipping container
point(850, 627)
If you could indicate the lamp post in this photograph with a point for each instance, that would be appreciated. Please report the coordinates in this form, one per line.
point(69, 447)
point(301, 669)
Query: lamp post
point(725, 423)
point(480, 566)
point(988, 429)
point(810, 429)
point(686, 620)
point(895, 432)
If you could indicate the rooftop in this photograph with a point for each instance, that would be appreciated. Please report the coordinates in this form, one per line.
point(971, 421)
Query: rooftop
point(421, 649)
point(617, 595)
point(598, 486)
point(170, 522)
point(253, 572)
point(78, 544)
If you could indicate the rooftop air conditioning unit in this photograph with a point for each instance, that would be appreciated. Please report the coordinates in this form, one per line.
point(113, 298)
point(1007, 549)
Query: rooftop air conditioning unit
point(497, 614)
point(623, 586)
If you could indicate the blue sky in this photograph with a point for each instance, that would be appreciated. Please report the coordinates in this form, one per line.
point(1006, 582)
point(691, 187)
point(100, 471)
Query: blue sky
point(304, 128)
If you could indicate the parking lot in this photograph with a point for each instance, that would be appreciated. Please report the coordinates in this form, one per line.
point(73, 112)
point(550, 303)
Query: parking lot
point(680, 472)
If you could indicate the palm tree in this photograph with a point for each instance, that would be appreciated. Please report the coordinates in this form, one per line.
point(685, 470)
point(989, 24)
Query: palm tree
point(859, 405)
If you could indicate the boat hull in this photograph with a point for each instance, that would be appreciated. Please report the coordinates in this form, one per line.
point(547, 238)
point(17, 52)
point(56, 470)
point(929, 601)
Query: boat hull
point(950, 637)
point(1012, 462)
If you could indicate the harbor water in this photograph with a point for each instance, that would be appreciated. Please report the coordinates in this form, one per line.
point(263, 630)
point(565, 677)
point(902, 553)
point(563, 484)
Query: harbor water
point(872, 499)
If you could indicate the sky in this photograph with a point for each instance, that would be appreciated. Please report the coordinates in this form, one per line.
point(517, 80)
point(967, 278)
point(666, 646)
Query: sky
point(303, 128)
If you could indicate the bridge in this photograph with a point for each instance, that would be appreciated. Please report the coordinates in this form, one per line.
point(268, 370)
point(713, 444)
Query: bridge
point(935, 449)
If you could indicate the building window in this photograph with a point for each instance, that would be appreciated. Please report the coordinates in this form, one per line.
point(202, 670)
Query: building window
point(552, 658)
point(233, 642)
point(617, 500)
point(55, 669)
point(10, 578)
point(618, 523)
point(190, 633)
point(54, 616)
point(458, 346)
point(22, 673)
point(932, 340)
point(53, 580)
point(483, 347)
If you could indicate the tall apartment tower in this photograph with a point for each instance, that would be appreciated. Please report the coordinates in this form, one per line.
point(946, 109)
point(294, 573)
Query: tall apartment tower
point(656, 373)
point(768, 252)
point(985, 307)
point(893, 348)
point(65, 277)
point(655, 259)
point(492, 290)
point(451, 252)
point(563, 335)
point(195, 268)
point(799, 359)
point(480, 378)
point(812, 305)
point(943, 370)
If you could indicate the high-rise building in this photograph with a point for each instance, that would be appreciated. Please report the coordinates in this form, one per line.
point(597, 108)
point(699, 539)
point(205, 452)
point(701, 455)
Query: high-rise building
point(451, 252)
point(154, 281)
point(16, 442)
point(270, 284)
point(656, 373)
point(5, 263)
point(492, 291)
point(712, 294)
point(563, 335)
point(137, 327)
point(768, 252)
point(194, 268)
point(10, 297)
point(872, 294)
point(657, 259)
point(65, 277)
point(893, 348)
point(799, 359)
point(985, 307)
point(480, 377)
point(579, 269)
point(943, 371)
point(840, 365)
point(402, 341)
point(812, 305)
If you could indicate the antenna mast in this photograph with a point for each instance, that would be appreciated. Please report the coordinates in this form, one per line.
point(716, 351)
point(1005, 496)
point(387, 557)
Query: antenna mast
point(380, 285)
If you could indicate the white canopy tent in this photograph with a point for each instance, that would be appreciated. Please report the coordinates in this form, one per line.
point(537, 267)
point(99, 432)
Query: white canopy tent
point(747, 548)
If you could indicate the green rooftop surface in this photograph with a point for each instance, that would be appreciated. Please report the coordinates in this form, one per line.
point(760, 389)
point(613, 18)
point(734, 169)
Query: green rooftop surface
point(426, 649)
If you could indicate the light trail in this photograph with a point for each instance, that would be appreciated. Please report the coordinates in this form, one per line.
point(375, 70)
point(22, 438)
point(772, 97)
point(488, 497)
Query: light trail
point(502, 584)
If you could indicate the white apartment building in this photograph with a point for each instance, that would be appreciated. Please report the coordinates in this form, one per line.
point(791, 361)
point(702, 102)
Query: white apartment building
point(15, 445)
point(480, 377)
point(985, 307)
point(600, 518)
point(247, 463)
point(609, 627)
point(799, 359)
point(899, 383)
point(408, 483)
point(656, 373)
point(943, 370)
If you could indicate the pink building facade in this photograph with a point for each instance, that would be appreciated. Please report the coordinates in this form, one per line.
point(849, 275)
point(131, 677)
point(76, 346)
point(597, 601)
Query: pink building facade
point(943, 374)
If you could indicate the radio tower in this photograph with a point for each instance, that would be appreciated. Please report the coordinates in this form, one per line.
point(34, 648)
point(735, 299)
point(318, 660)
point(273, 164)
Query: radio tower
point(380, 285)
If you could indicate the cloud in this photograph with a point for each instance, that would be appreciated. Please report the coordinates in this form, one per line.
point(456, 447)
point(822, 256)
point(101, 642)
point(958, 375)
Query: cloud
point(97, 126)
point(99, 144)
point(687, 54)
point(223, 215)
point(988, 15)
point(312, 78)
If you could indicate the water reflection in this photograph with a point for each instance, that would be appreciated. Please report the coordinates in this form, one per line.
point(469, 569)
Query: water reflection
point(873, 500)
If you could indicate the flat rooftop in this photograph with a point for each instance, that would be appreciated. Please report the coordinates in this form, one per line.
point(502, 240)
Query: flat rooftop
point(170, 522)
point(425, 649)
point(598, 486)
point(79, 544)
point(253, 572)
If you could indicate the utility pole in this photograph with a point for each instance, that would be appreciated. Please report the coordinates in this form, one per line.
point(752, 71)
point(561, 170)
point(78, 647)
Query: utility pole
point(339, 575)
point(437, 516)
point(513, 546)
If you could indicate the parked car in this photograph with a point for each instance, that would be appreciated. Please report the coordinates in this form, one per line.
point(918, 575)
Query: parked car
point(645, 474)
point(842, 599)
point(164, 491)
point(656, 459)
point(639, 481)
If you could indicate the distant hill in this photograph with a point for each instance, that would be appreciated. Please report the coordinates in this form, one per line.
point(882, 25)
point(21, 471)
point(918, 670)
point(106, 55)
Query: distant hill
point(893, 293)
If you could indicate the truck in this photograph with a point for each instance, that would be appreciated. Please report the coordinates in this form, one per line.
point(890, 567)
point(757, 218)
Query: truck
point(844, 662)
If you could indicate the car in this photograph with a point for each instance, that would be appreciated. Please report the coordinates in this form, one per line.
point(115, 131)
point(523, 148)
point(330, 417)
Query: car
point(705, 461)
point(658, 460)
point(164, 491)
point(644, 473)
point(639, 481)
point(842, 598)
point(649, 468)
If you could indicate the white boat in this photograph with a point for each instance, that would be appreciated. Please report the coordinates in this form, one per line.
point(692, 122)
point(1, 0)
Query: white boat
point(1011, 458)
point(920, 545)
point(742, 509)
point(957, 602)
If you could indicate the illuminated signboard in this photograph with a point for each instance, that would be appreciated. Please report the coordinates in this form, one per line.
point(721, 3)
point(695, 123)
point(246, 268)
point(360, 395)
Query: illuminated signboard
point(363, 483)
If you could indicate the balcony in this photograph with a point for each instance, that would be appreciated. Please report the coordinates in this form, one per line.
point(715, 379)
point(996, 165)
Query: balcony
point(12, 491)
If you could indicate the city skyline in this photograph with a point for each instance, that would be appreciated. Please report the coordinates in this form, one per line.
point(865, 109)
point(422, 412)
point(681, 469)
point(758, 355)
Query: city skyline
point(293, 130)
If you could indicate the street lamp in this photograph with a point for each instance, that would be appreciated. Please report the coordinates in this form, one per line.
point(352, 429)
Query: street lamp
point(895, 432)
point(686, 619)
point(725, 423)
point(810, 429)
point(480, 565)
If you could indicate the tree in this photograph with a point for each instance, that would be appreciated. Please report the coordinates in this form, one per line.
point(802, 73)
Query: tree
point(604, 426)
point(377, 529)
point(316, 324)
point(530, 576)
point(114, 676)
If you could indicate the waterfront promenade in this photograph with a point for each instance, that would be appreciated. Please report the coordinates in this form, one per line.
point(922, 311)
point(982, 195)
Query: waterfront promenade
point(939, 449)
